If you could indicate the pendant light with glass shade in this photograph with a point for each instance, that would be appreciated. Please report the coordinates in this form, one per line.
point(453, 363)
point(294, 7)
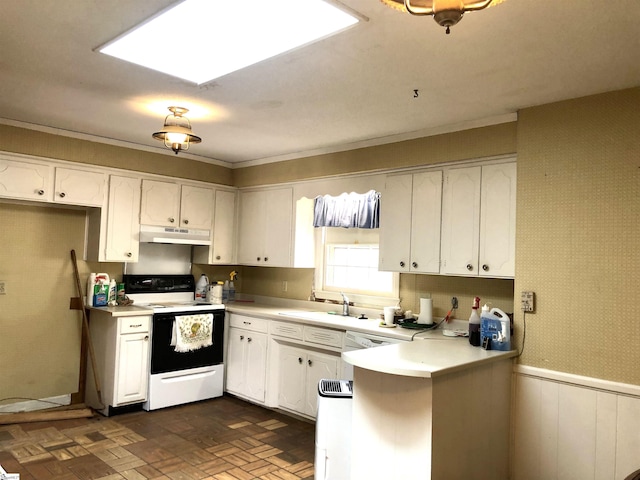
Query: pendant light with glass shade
point(446, 13)
point(176, 133)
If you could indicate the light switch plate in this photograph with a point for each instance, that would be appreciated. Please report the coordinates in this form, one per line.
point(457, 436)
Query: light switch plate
point(3, 287)
point(527, 301)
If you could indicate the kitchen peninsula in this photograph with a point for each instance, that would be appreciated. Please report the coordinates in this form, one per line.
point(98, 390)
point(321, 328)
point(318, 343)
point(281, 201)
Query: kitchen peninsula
point(431, 410)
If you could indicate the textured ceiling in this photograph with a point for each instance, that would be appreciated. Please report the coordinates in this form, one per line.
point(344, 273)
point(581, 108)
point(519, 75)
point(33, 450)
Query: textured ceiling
point(353, 89)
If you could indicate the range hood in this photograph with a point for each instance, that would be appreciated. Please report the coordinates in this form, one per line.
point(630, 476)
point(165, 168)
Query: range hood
point(182, 236)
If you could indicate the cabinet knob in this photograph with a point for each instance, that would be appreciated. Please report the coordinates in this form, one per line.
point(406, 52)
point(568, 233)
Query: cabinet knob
point(217, 257)
point(146, 338)
point(241, 337)
point(249, 339)
point(469, 267)
point(62, 194)
point(309, 362)
point(299, 359)
point(414, 264)
point(266, 259)
point(40, 192)
point(129, 254)
point(485, 267)
point(258, 259)
point(402, 264)
point(186, 222)
point(171, 219)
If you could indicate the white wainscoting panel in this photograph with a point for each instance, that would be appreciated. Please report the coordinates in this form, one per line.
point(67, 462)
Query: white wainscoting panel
point(567, 427)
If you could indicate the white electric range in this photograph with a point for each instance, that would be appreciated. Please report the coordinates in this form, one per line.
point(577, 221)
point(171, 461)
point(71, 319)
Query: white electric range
point(177, 377)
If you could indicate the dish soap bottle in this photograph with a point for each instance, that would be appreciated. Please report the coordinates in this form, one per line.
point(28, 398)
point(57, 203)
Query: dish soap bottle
point(474, 323)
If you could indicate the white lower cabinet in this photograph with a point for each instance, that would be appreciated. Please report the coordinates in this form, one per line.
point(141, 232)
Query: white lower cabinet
point(121, 346)
point(246, 364)
point(300, 370)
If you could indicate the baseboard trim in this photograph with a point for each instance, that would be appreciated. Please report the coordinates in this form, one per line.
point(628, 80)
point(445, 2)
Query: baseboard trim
point(32, 405)
point(586, 382)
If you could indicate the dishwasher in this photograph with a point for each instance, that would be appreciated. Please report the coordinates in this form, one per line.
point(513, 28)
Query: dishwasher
point(333, 421)
point(357, 341)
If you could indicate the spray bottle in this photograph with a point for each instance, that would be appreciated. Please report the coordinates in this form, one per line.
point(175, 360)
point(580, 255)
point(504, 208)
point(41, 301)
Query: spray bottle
point(232, 287)
point(474, 323)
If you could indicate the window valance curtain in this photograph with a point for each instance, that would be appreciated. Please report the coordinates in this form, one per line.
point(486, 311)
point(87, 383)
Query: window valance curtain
point(348, 210)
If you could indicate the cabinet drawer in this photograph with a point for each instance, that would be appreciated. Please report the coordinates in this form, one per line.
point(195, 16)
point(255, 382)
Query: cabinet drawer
point(134, 324)
point(323, 336)
point(286, 329)
point(249, 323)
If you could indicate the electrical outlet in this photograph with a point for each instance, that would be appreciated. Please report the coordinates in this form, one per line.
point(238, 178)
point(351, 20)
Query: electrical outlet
point(284, 286)
point(527, 301)
point(3, 287)
point(454, 302)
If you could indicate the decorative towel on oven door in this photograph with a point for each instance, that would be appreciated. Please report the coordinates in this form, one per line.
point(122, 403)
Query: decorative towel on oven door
point(191, 332)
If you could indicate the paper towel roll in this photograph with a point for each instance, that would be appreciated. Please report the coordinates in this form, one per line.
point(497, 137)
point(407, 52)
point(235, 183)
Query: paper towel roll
point(426, 311)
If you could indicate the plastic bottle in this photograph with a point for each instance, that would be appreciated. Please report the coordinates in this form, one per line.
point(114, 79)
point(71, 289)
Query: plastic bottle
point(474, 323)
point(201, 288)
point(495, 330)
point(91, 285)
point(111, 298)
point(232, 287)
point(225, 292)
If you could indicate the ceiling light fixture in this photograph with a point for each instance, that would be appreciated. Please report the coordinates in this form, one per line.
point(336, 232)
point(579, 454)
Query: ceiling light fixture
point(446, 13)
point(176, 133)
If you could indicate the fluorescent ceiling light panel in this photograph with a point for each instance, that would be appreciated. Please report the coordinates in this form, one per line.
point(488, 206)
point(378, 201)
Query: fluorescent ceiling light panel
point(199, 40)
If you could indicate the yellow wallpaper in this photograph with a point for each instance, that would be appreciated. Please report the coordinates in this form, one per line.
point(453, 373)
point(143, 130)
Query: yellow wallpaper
point(32, 142)
point(40, 334)
point(578, 225)
point(468, 144)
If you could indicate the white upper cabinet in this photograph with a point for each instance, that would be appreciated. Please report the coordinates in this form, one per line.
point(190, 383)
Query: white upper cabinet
point(498, 221)
point(25, 180)
point(123, 227)
point(169, 204)
point(478, 221)
point(265, 228)
point(410, 214)
point(223, 236)
point(222, 248)
point(80, 187)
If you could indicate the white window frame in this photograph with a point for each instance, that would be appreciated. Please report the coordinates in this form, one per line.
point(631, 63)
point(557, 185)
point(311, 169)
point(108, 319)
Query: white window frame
point(358, 299)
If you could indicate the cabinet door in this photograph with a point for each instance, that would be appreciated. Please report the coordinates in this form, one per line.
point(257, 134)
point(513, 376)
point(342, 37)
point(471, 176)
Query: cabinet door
point(278, 229)
point(132, 372)
point(27, 181)
point(461, 221)
point(160, 204)
point(80, 187)
point(498, 221)
point(395, 224)
point(235, 367)
point(224, 227)
point(123, 228)
point(319, 366)
point(196, 207)
point(426, 211)
point(251, 228)
point(256, 366)
point(291, 388)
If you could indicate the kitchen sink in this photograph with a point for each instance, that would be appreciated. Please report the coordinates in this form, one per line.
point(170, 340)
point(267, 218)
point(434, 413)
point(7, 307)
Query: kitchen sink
point(314, 315)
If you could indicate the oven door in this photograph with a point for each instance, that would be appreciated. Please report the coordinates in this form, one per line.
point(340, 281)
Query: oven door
point(164, 358)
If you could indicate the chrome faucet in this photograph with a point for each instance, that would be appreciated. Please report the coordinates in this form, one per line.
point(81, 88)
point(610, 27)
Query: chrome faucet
point(345, 305)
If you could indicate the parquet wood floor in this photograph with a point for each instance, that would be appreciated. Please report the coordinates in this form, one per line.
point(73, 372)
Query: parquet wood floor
point(222, 439)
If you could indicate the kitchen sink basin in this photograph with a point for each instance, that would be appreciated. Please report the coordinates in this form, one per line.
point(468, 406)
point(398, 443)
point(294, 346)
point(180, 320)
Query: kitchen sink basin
point(314, 315)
